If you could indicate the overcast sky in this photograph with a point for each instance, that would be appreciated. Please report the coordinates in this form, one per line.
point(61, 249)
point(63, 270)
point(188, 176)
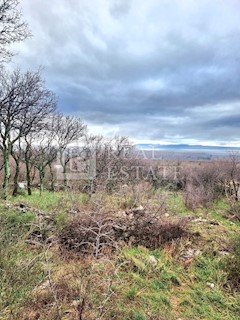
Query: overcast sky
point(155, 70)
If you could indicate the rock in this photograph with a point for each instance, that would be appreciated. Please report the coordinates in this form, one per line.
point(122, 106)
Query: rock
point(119, 228)
point(44, 286)
point(139, 211)
point(210, 285)
point(187, 254)
point(75, 303)
point(197, 253)
point(200, 220)
point(223, 253)
point(190, 253)
point(152, 260)
point(20, 207)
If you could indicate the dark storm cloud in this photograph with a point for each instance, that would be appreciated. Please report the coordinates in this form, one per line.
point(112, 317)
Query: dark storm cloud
point(149, 69)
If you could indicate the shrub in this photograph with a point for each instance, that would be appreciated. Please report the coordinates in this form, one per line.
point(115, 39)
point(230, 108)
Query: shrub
point(202, 187)
point(232, 266)
point(234, 210)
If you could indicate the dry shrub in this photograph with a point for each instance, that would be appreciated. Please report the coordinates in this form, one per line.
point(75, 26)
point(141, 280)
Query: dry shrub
point(232, 266)
point(233, 213)
point(132, 195)
point(97, 234)
point(197, 196)
point(79, 290)
point(87, 234)
point(202, 186)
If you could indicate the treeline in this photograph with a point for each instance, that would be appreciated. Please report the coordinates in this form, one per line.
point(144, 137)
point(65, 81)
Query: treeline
point(35, 136)
point(32, 132)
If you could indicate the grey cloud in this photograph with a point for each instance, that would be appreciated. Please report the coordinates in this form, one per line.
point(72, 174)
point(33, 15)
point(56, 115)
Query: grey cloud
point(118, 8)
point(232, 121)
point(138, 65)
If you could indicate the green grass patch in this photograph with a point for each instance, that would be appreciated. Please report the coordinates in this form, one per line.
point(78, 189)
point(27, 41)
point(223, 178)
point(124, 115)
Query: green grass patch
point(52, 201)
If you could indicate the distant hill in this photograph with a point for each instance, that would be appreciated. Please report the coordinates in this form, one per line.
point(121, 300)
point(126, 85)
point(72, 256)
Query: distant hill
point(185, 151)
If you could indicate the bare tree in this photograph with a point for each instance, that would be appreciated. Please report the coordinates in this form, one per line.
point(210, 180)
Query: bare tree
point(202, 184)
point(1, 161)
point(27, 156)
point(68, 130)
point(17, 154)
point(44, 153)
point(25, 103)
point(12, 27)
point(232, 177)
point(111, 156)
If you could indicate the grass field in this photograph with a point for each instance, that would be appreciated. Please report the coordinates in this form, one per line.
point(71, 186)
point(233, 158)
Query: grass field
point(39, 282)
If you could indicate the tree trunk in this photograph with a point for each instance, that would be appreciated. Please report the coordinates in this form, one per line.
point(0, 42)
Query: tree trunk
point(41, 176)
point(7, 173)
point(64, 168)
point(17, 170)
point(28, 174)
point(52, 177)
point(28, 177)
point(65, 181)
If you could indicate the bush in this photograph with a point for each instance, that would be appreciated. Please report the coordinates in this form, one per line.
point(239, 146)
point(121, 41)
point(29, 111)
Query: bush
point(234, 211)
point(202, 187)
point(232, 266)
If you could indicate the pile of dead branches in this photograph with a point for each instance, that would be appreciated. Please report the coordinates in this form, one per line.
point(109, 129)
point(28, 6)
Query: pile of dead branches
point(96, 234)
